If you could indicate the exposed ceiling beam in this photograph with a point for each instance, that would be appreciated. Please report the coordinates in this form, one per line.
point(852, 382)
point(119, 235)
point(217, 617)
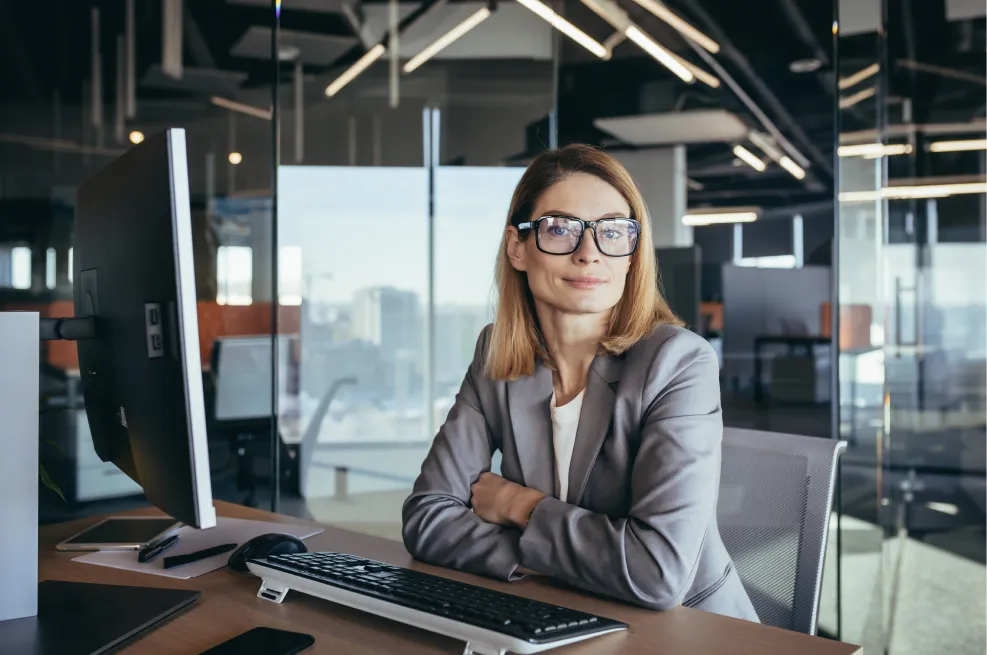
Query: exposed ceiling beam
point(736, 57)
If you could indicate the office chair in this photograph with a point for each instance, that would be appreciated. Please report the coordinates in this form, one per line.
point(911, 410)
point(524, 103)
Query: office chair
point(776, 494)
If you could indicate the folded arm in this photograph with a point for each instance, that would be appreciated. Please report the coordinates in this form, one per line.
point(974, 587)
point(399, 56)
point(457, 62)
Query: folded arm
point(439, 525)
point(649, 557)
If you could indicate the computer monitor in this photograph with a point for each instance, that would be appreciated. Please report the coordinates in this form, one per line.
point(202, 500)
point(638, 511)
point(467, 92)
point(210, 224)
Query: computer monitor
point(141, 373)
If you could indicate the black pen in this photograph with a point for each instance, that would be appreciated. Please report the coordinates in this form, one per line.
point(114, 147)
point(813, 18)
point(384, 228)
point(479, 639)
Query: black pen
point(179, 560)
point(151, 551)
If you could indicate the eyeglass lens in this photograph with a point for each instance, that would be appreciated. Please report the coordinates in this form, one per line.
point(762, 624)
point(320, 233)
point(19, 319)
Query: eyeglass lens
point(558, 235)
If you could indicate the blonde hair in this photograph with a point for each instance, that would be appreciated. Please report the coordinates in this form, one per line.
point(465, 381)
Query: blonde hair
point(516, 342)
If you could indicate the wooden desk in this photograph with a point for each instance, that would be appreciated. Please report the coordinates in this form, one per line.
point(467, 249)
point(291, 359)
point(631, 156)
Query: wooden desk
point(229, 606)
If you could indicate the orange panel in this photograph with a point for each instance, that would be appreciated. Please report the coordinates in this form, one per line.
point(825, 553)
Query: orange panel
point(855, 322)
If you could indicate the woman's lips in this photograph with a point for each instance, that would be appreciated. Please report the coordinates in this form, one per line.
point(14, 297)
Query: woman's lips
point(583, 282)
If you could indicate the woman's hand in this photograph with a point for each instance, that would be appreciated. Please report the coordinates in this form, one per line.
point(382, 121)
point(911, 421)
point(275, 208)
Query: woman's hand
point(500, 501)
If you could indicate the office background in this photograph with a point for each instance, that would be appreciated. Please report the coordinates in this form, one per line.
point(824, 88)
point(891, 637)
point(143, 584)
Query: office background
point(854, 306)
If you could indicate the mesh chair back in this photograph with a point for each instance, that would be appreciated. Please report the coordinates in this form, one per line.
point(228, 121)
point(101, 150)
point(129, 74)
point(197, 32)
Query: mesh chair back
point(776, 493)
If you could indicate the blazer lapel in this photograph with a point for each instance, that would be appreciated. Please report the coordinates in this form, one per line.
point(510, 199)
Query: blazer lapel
point(594, 422)
point(529, 400)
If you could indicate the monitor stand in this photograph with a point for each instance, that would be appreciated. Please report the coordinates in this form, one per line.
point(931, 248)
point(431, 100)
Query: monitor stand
point(81, 618)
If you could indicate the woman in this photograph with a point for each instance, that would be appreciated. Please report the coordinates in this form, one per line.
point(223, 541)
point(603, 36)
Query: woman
point(606, 412)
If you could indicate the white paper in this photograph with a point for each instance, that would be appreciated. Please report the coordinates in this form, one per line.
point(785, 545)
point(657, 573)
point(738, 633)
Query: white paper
point(190, 540)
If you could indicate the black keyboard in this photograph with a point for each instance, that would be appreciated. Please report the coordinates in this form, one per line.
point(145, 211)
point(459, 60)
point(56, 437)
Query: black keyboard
point(529, 620)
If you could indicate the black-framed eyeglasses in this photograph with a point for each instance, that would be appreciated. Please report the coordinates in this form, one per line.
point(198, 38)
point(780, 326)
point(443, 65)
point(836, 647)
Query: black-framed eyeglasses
point(561, 235)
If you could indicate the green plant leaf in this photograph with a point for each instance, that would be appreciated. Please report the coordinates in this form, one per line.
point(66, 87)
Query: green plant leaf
point(48, 482)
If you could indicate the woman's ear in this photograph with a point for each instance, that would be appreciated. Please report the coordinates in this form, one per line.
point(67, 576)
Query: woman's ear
point(516, 249)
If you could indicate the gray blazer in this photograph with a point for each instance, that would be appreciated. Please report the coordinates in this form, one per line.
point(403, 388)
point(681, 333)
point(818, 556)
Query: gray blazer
point(639, 522)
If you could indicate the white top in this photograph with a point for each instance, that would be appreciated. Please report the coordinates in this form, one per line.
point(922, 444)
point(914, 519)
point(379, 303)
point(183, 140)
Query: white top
point(565, 420)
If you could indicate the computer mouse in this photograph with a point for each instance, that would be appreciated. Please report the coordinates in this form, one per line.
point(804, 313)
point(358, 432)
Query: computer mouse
point(264, 546)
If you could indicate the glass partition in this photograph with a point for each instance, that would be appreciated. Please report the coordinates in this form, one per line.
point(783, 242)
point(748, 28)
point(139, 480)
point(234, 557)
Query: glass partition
point(393, 192)
point(82, 84)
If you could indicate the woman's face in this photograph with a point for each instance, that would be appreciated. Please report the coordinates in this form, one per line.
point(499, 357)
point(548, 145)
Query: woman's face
point(585, 281)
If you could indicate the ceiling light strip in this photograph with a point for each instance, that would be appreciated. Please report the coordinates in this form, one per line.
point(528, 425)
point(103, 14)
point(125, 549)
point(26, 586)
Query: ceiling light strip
point(749, 158)
point(708, 79)
point(664, 57)
point(447, 39)
point(663, 13)
point(361, 64)
point(874, 150)
point(242, 108)
point(740, 215)
point(858, 77)
point(797, 171)
point(958, 146)
point(919, 191)
point(564, 26)
point(849, 101)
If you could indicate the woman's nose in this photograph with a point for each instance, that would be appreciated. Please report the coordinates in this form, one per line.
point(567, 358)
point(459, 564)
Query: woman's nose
point(588, 251)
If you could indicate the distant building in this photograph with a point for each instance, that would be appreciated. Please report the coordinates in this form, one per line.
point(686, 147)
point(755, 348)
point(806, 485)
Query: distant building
point(388, 318)
point(456, 332)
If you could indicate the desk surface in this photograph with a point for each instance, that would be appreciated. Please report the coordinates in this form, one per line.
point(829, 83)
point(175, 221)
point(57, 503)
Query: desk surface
point(229, 606)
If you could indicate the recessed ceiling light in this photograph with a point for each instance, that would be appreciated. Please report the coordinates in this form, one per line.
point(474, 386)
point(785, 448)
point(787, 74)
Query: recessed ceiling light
point(810, 65)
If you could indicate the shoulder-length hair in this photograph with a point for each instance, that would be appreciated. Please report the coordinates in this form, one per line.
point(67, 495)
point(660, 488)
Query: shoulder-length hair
point(516, 343)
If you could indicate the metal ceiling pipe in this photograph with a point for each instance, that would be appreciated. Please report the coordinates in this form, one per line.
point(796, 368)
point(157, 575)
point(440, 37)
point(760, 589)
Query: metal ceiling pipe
point(731, 52)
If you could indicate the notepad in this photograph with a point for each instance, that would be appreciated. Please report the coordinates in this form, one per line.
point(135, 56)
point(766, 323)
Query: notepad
point(227, 530)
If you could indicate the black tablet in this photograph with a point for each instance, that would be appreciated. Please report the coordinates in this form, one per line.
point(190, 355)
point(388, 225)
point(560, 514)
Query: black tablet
point(121, 533)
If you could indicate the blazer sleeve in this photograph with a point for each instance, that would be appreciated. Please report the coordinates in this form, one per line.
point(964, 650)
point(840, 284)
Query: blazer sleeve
point(439, 525)
point(650, 557)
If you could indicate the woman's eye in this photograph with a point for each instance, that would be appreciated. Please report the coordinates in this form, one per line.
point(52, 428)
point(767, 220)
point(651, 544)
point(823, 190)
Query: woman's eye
point(613, 234)
point(558, 230)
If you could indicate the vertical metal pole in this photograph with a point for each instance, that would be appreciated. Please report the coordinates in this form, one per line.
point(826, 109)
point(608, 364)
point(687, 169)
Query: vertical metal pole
point(171, 38)
point(834, 328)
point(738, 243)
point(434, 150)
point(97, 78)
point(210, 179)
point(130, 95)
point(553, 112)
point(119, 111)
point(56, 129)
point(85, 111)
point(275, 300)
point(393, 51)
point(798, 240)
point(299, 83)
point(230, 148)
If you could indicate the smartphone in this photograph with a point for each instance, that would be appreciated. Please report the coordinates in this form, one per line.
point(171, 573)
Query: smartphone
point(263, 641)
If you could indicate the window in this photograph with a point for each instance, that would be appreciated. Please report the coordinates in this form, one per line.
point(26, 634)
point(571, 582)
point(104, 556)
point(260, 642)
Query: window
point(773, 261)
point(50, 268)
point(20, 267)
point(290, 275)
point(234, 275)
